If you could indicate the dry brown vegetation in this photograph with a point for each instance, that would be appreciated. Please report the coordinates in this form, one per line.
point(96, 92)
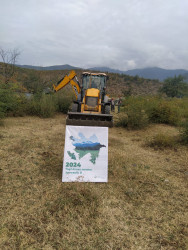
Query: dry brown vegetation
point(118, 84)
point(143, 206)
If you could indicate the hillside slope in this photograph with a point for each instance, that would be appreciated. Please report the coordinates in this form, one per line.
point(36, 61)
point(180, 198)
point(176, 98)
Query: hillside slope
point(147, 73)
point(118, 84)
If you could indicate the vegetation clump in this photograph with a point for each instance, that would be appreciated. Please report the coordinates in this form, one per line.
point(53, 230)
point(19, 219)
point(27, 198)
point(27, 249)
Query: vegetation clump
point(14, 102)
point(1, 116)
point(137, 118)
point(162, 141)
point(43, 106)
point(133, 115)
point(175, 87)
point(138, 112)
point(162, 111)
point(184, 133)
point(64, 101)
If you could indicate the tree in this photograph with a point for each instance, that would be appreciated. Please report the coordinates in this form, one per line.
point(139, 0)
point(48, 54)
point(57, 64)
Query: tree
point(175, 87)
point(128, 91)
point(9, 58)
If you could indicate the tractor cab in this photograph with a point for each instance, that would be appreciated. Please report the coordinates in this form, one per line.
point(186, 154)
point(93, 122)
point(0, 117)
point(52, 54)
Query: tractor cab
point(94, 80)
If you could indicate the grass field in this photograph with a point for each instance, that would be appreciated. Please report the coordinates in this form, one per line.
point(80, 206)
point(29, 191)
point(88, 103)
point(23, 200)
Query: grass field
point(143, 206)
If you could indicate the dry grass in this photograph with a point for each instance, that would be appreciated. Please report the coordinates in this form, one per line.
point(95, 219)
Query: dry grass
point(143, 206)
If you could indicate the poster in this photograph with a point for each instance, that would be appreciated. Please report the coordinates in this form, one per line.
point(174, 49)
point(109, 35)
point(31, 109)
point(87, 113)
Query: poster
point(85, 154)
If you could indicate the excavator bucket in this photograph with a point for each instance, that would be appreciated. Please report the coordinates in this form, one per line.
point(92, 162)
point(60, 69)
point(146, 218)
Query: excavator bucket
point(89, 119)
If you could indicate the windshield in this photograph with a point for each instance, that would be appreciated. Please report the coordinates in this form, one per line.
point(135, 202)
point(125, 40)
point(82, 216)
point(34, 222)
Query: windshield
point(94, 81)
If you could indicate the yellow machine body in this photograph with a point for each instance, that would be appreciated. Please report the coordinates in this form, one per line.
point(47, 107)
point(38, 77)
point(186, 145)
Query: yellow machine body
point(90, 107)
point(94, 96)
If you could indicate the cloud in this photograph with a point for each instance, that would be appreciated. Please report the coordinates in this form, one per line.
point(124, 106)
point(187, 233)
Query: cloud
point(124, 34)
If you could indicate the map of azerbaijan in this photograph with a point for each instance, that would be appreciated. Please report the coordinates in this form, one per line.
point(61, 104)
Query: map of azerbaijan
point(85, 146)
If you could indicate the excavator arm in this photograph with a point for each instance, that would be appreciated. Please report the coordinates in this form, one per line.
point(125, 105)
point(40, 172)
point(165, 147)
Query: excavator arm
point(69, 79)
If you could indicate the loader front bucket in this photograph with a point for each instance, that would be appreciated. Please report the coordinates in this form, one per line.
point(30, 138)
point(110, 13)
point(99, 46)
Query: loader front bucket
point(87, 119)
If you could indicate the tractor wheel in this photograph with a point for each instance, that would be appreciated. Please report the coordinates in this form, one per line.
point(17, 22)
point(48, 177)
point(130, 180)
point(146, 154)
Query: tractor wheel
point(107, 109)
point(75, 107)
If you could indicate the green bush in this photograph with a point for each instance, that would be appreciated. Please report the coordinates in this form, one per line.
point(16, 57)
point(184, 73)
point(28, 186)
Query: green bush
point(1, 115)
point(133, 115)
point(184, 133)
point(163, 112)
point(181, 104)
point(122, 120)
point(175, 87)
point(162, 141)
point(47, 105)
point(137, 118)
point(44, 106)
point(143, 110)
point(63, 102)
point(8, 100)
point(11, 103)
point(160, 110)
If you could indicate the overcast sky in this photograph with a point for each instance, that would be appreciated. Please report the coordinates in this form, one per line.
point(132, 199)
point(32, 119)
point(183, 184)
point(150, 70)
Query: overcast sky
point(121, 34)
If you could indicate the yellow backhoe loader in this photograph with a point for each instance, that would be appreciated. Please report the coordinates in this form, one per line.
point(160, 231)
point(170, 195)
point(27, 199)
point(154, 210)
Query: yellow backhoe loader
point(92, 106)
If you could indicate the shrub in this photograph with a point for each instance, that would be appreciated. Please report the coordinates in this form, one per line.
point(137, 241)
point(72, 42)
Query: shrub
point(1, 115)
point(16, 104)
point(8, 100)
point(162, 141)
point(163, 112)
point(63, 102)
point(175, 87)
point(47, 106)
point(144, 110)
point(137, 118)
point(181, 104)
point(184, 133)
point(122, 120)
point(43, 106)
point(33, 106)
point(11, 103)
point(133, 115)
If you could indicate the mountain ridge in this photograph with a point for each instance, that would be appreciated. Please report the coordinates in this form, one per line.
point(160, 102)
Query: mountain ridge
point(54, 67)
point(147, 73)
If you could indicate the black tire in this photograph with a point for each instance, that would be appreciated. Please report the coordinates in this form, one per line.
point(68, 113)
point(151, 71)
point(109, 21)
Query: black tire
point(75, 107)
point(107, 109)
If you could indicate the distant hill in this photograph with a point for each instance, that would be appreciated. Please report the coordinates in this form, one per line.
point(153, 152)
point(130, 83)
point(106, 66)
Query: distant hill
point(106, 69)
point(185, 76)
point(55, 67)
point(147, 73)
point(156, 73)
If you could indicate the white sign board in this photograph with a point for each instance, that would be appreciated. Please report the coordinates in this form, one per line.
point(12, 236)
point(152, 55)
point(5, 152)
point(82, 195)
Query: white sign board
point(85, 154)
